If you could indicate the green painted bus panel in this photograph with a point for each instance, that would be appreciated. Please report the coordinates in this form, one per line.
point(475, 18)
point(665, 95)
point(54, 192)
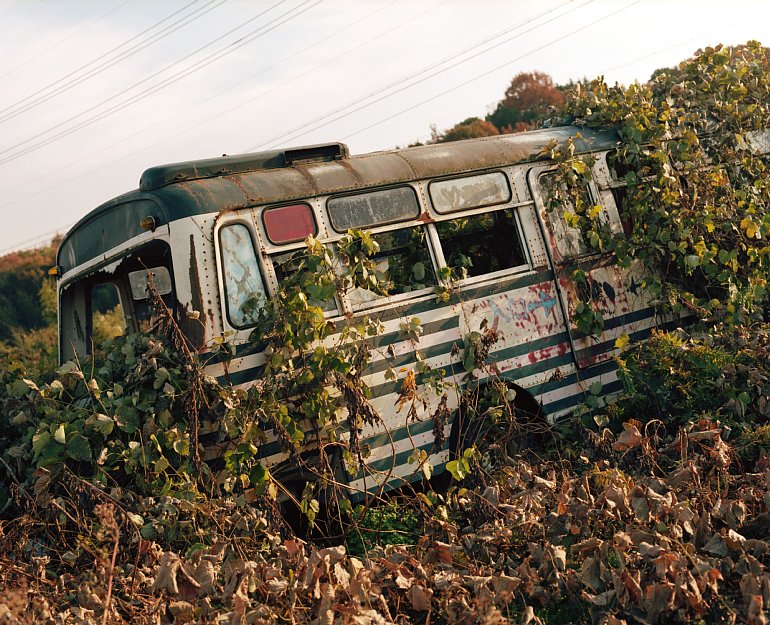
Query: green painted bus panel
point(116, 224)
point(162, 175)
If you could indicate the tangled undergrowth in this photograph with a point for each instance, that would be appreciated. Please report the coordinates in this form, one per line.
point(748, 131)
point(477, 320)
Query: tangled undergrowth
point(636, 521)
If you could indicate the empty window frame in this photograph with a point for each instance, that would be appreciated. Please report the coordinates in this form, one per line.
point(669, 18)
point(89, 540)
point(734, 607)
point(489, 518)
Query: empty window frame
point(107, 319)
point(374, 208)
point(485, 243)
point(403, 263)
point(287, 264)
point(628, 170)
point(243, 284)
point(468, 192)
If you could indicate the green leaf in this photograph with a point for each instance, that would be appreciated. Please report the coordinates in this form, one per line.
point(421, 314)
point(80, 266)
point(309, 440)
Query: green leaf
point(458, 468)
point(78, 447)
point(101, 423)
point(182, 446)
point(40, 441)
point(19, 388)
point(259, 476)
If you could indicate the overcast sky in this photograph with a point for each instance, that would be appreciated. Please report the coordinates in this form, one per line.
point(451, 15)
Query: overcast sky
point(96, 91)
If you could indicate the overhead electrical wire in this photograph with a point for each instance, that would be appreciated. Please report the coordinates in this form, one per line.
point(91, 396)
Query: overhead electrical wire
point(151, 76)
point(407, 82)
point(244, 40)
point(466, 50)
point(314, 69)
point(491, 71)
point(72, 80)
point(64, 40)
point(218, 94)
point(36, 241)
point(401, 112)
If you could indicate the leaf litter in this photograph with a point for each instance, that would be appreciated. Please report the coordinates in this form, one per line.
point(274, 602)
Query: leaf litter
point(687, 543)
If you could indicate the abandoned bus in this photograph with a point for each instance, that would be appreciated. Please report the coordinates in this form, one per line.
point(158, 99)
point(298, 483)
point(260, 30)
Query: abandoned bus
point(220, 231)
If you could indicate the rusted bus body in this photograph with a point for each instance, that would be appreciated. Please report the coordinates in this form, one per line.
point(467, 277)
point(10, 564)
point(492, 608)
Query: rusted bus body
point(225, 231)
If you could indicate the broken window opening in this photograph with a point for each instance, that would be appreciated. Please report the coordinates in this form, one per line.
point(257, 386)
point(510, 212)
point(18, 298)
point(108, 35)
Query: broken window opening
point(403, 263)
point(288, 264)
point(481, 244)
point(107, 317)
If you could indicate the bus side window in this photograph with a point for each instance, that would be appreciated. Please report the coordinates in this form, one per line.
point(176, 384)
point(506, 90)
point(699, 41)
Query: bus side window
point(287, 264)
point(569, 239)
point(627, 170)
point(481, 244)
point(244, 288)
point(403, 262)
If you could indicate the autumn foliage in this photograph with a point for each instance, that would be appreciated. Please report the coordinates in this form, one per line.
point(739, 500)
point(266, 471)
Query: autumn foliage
point(652, 509)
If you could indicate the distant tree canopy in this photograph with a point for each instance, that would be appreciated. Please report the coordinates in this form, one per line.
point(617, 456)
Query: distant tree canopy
point(22, 277)
point(530, 98)
point(468, 129)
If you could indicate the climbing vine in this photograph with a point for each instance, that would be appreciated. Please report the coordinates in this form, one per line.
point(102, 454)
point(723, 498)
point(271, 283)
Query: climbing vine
point(693, 180)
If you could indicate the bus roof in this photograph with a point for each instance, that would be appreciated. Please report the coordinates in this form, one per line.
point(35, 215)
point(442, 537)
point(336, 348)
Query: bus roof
point(171, 192)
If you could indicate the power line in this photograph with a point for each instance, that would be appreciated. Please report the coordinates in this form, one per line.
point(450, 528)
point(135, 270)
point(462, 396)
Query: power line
point(24, 105)
point(36, 241)
point(493, 70)
point(244, 40)
point(218, 94)
point(64, 40)
point(144, 80)
point(409, 81)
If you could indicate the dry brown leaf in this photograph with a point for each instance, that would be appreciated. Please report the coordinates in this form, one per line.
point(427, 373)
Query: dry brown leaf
point(325, 612)
point(505, 587)
point(601, 600)
point(717, 546)
point(402, 581)
point(529, 618)
point(616, 498)
point(205, 575)
point(755, 613)
point(165, 579)
point(629, 438)
point(591, 573)
point(182, 611)
point(631, 582)
point(658, 599)
point(420, 597)
point(641, 509)
point(549, 484)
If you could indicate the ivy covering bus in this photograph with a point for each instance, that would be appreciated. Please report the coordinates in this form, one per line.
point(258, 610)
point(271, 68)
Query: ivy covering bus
point(468, 237)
